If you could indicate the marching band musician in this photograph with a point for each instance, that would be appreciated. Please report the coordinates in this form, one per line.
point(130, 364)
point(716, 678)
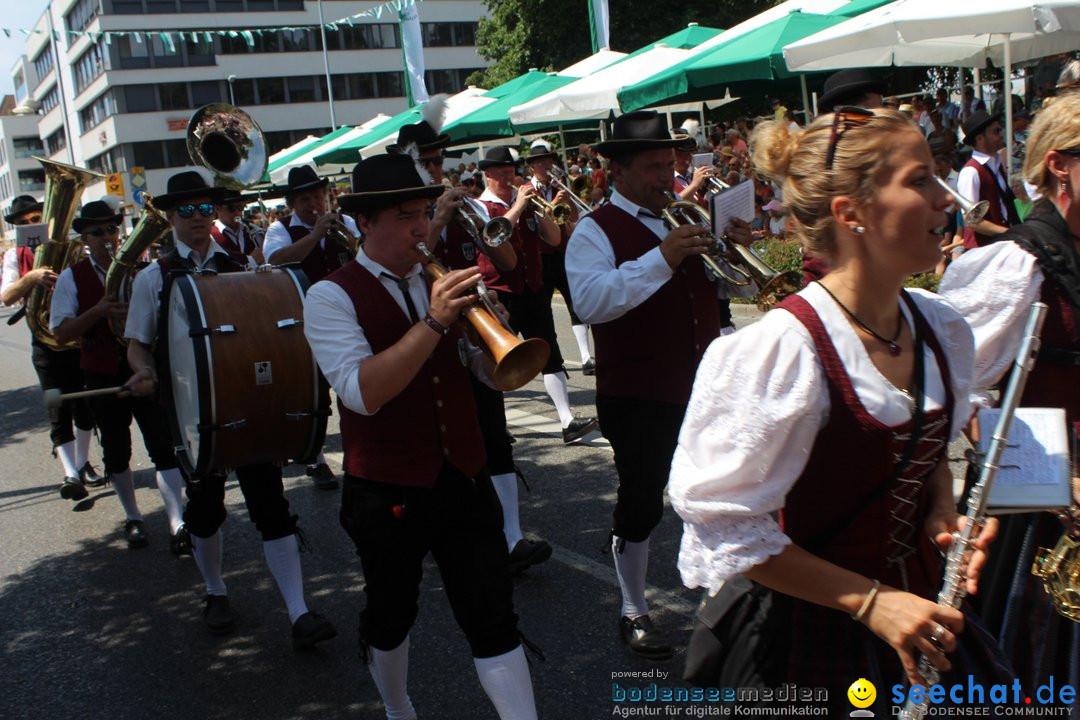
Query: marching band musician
point(189, 208)
point(414, 456)
point(302, 237)
point(80, 311)
point(456, 249)
point(632, 277)
point(57, 369)
point(522, 290)
point(813, 458)
point(540, 160)
point(691, 183)
point(231, 232)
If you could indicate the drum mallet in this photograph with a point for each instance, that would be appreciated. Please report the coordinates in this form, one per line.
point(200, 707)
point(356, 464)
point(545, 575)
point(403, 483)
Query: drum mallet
point(54, 398)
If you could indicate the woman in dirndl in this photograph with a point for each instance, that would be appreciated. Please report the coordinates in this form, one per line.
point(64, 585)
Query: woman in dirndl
point(812, 460)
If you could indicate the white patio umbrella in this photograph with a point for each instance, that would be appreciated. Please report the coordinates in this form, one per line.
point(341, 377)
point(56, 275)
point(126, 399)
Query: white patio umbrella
point(457, 106)
point(932, 32)
point(281, 174)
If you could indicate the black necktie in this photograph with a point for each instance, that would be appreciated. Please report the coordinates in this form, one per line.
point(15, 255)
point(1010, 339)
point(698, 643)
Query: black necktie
point(403, 286)
point(649, 214)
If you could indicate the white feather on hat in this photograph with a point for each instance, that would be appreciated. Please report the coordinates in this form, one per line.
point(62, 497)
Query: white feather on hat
point(413, 151)
point(435, 112)
point(691, 126)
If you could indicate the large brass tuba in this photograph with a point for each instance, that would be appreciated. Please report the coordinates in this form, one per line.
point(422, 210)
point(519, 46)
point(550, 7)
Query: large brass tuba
point(151, 227)
point(64, 185)
point(225, 140)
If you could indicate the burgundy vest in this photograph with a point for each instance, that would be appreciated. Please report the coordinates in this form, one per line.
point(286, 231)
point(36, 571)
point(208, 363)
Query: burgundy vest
point(852, 455)
point(321, 261)
point(1054, 383)
point(814, 268)
point(26, 260)
point(457, 250)
point(529, 271)
point(564, 230)
point(432, 421)
point(990, 191)
point(232, 248)
point(652, 352)
point(99, 352)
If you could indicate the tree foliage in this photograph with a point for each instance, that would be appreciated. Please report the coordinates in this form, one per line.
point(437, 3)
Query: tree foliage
point(552, 34)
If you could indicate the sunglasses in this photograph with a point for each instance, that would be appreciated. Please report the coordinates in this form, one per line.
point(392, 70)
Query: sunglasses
point(31, 220)
point(436, 161)
point(103, 231)
point(187, 211)
point(845, 117)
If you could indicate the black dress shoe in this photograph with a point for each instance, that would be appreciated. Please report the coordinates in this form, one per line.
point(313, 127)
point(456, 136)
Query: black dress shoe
point(180, 543)
point(73, 489)
point(323, 476)
point(589, 368)
point(135, 534)
point(640, 635)
point(309, 629)
point(218, 615)
point(89, 476)
point(528, 553)
point(578, 428)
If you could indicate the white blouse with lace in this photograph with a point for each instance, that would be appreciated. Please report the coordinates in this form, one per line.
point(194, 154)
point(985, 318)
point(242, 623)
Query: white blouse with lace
point(759, 400)
point(993, 288)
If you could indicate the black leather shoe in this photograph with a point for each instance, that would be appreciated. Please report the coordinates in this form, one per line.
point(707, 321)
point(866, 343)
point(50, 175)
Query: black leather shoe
point(309, 629)
point(89, 476)
point(578, 428)
point(135, 534)
point(218, 615)
point(323, 476)
point(589, 368)
point(640, 635)
point(73, 489)
point(180, 543)
point(528, 553)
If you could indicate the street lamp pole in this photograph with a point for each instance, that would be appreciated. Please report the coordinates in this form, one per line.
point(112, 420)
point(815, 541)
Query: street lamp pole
point(232, 96)
point(326, 63)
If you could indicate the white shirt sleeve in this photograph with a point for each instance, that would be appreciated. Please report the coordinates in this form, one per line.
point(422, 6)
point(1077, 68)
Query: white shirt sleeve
point(993, 288)
point(277, 237)
point(143, 307)
point(601, 291)
point(10, 269)
point(337, 341)
point(65, 299)
point(967, 183)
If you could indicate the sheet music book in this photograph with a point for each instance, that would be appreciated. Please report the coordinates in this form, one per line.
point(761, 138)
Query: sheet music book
point(735, 202)
point(1035, 470)
point(31, 235)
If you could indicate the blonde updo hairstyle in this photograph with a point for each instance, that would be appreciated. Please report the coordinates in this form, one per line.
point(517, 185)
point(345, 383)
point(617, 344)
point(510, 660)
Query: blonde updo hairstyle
point(1055, 128)
point(795, 160)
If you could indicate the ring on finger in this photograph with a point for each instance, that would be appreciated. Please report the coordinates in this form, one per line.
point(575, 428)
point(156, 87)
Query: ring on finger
point(938, 636)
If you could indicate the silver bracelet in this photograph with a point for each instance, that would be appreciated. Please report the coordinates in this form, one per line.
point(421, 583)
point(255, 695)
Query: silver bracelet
point(867, 602)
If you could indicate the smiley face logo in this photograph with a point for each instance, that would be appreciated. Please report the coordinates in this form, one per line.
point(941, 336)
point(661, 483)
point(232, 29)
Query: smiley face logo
point(862, 693)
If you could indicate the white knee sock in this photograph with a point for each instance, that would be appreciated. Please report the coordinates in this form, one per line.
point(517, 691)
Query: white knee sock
point(390, 671)
point(82, 446)
point(124, 486)
point(208, 552)
point(630, 566)
point(321, 460)
point(506, 681)
point(66, 453)
point(581, 334)
point(171, 486)
point(555, 384)
point(283, 557)
point(506, 488)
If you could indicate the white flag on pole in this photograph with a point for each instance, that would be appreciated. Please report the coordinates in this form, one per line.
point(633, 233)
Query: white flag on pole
point(598, 21)
point(413, 46)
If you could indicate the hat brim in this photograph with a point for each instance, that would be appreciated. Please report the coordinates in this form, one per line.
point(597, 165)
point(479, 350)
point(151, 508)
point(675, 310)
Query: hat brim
point(36, 207)
point(838, 95)
point(633, 145)
point(294, 191)
point(80, 224)
point(542, 156)
point(353, 202)
point(969, 135)
point(170, 200)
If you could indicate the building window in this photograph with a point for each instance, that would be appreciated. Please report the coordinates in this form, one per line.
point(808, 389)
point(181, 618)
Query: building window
point(140, 98)
point(391, 84)
point(31, 181)
point(148, 155)
point(133, 55)
point(271, 90)
point(204, 93)
point(301, 89)
point(194, 6)
point(243, 92)
point(364, 37)
point(110, 161)
point(447, 81)
point(43, 63)
point(56, 142)
point(80, 16)
point(5, 186)
point(142, 7)
point(173, 96)
point(26, 147)
point(89, 67)
point(160, 6)
point(199, 52)
point(20, 86)
point(176, 154)
point(448, 34)
point(51, 100)
point(96, 112)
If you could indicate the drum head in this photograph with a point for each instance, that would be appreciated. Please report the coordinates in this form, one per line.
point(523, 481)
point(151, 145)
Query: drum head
point(187, 365)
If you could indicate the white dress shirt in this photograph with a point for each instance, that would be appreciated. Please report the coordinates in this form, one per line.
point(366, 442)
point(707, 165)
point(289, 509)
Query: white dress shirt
point(603, 292)
point(278, 237)
point(340, 344)
point(968, 185)
point(10, 270)
point(759, 400)
point(65, 297)
point(144, 306)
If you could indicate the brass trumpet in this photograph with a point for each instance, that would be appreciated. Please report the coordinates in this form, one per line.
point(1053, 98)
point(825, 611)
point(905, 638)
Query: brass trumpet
point(575, 187)
point(485, 233)
point(973, 212)
point(559, 214)
point(517, 361)
point(744, 264)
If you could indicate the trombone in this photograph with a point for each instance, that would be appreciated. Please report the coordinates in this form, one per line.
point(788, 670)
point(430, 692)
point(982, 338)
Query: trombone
point(973, 212)
point(560, 178)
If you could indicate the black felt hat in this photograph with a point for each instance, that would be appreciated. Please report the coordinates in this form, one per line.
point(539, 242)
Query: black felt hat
point(539, 150)
point(841, 88)
point(979, 121)
point(386, 180)
point(638, 131)
point(185, 186)
point(422, 135)
point(93, 213)
point(22, 205)
point(229, 196)
point(303, 178)
point(502, 156)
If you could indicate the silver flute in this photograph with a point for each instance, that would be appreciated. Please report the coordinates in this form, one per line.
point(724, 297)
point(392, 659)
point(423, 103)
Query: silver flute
point(963, 541)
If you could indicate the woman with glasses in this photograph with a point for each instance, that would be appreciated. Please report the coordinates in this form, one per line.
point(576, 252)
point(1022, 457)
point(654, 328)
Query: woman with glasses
point(993, 288)
point(811, 465)
point(81, 311)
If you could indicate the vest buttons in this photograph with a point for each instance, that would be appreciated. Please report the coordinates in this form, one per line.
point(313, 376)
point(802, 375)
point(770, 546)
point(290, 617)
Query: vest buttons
point(446, 451)
point(435, 380)
point(695, 321)
point(438, 403)
point(442, 428)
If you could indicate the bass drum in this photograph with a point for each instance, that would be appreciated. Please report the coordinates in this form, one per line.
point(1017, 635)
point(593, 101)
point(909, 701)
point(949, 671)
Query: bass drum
point(244, 384)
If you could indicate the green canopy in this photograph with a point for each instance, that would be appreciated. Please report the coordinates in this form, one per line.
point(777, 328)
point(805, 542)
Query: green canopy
point(303, 148)
point(689, 37)
point(349, 152)
point(493, 120)
point(756, 55)
point(858, 7)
